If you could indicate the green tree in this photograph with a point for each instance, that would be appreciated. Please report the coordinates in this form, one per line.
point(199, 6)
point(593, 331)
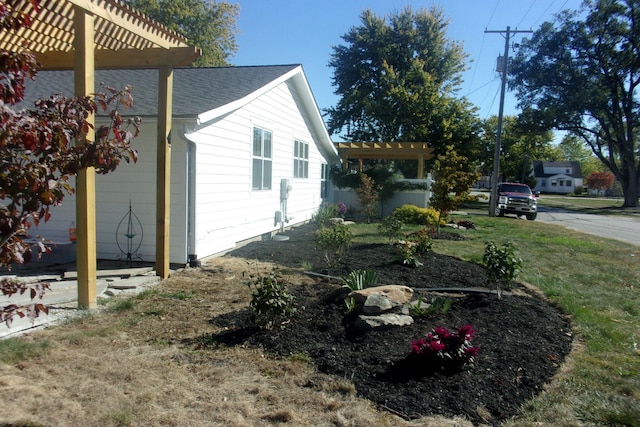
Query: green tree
point(397, 79)
point(453, 176)
point(580, 75)
point(368, 196)
point(519, 148)
point(208, 24)
point(574, 149)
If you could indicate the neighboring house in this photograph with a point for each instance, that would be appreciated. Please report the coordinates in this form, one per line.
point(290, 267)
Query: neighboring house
point(250, 154)
point(557, 177)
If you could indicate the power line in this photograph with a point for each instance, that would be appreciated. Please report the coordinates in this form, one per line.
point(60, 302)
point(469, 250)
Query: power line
point(545, 12)
point(526, 13)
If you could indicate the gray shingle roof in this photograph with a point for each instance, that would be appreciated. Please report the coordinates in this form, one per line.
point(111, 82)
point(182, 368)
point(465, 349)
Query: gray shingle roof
point(195, 90)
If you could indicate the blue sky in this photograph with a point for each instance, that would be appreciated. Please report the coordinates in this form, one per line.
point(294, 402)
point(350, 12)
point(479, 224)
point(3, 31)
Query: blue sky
point(303, 32)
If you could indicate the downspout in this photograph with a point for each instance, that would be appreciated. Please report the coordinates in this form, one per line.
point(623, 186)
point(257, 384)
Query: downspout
point(192, 255)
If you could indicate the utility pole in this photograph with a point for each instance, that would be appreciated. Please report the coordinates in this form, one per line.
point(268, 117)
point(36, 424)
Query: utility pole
point(496, 154)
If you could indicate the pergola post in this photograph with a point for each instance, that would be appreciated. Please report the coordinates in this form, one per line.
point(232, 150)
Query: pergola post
point(163, 189)
point(85, 182)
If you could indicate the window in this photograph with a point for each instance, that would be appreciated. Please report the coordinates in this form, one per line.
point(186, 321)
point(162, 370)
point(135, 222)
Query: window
point(300, 159)
point(261, 172)
point(324, 173)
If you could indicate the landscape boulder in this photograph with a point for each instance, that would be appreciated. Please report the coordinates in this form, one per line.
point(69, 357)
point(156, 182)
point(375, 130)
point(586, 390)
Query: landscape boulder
point(398, 294)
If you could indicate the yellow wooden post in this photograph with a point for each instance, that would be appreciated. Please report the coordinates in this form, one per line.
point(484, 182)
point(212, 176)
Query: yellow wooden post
point(85, 182)
point(163, 186)
point(420, 166)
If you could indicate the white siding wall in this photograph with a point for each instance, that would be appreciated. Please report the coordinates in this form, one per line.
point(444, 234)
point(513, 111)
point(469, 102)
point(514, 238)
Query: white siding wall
point(135, 182)
point(228, 210)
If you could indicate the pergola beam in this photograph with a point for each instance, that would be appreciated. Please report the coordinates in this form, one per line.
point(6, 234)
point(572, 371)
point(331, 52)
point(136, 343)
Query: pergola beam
point(124, 58)
point(419, 151)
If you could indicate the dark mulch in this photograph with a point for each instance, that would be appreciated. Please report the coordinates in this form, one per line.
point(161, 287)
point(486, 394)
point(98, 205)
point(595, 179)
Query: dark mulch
point(522, 338)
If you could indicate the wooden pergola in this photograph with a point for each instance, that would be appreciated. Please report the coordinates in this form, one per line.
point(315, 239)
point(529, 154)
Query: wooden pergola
point(83, 35)
point(419, 151)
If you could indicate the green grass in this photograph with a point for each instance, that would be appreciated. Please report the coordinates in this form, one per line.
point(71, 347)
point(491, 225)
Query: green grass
point(593, 280)
point(588, 204)
point(14, 350)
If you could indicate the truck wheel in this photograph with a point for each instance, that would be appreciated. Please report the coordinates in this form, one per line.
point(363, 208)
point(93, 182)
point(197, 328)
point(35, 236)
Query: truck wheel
point(532, 216)
point(499, 212)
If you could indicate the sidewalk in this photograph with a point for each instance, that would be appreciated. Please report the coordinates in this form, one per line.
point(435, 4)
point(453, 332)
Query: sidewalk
point(112, 279)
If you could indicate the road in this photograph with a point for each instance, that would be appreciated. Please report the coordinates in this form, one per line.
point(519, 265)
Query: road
point(623, 228)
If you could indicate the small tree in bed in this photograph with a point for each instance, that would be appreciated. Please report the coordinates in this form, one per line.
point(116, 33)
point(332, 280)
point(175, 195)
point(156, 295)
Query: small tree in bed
point(38, 156)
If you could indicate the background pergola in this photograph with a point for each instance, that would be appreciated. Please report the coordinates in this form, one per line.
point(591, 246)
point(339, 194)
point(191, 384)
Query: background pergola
point(419, 151)
point(83, 35)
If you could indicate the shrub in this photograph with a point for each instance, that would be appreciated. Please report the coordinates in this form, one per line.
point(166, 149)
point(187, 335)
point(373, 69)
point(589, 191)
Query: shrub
point(445, 349)
point(270, 300)
point(407, 252)
point(391, 226)
point(502, 265)
point(411, 214)
point(423, 240)
point(360, 279)
point(326, 211)
point(334, 241)
point(437, 305)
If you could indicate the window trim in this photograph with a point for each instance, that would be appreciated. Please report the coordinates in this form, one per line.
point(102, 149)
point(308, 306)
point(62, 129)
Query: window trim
point(300, 159)
point(265, 160)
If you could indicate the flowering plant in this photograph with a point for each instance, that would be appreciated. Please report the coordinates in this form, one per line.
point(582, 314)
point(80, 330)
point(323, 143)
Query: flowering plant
point(342, 209)
point(449, 348)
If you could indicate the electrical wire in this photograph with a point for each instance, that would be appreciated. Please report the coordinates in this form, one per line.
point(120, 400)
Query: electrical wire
point(484, 85)
point(526, 13)
point(544, 13)
point(492, 101)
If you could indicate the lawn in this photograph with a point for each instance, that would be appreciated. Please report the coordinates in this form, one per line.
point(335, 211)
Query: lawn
point(134, 362)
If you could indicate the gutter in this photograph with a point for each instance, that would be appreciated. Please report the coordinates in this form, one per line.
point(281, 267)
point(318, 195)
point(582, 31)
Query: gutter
point(192, 255)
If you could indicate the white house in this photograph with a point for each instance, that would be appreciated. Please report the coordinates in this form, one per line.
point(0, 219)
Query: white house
point(557, 177)
point(249, 152)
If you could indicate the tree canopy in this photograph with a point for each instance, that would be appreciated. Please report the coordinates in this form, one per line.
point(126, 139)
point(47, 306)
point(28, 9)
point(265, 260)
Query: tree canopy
point(208, 24)
point(397, 78)
point(519, 148)
point(580, 75)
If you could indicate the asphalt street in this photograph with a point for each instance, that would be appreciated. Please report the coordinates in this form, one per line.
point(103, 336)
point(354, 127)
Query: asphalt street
point(623, 228)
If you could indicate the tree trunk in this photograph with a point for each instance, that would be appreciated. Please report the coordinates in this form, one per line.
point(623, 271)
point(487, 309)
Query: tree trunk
point(630, 187)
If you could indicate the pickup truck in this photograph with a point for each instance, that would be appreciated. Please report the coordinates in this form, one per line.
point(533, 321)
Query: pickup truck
point(516, 198)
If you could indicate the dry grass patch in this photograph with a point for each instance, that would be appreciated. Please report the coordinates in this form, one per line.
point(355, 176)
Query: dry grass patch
point(130, 365)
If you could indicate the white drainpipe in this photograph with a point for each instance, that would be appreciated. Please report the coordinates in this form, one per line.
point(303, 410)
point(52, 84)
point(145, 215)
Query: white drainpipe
point(192, 256)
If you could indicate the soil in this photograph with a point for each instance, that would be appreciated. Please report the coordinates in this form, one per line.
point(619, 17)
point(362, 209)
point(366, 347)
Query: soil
point(522, 338)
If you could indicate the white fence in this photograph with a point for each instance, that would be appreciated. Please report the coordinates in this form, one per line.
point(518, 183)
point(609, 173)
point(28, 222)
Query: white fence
point(418, 198)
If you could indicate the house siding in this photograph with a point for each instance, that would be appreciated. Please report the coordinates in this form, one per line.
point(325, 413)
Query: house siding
point(216, 181)
point(228, 211)
point(133, 182)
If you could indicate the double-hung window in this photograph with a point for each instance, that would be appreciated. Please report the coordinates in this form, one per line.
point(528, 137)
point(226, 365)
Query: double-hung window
point(262, 159)
point(300, 159)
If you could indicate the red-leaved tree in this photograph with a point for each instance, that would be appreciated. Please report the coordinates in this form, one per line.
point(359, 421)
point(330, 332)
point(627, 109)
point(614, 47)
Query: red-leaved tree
point(601, 181)
point(41, 148)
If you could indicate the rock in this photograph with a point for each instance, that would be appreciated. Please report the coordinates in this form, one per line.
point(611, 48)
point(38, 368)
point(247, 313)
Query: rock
point(336, 220)
point(377, 303)
point(383, 321)
point(396, 293)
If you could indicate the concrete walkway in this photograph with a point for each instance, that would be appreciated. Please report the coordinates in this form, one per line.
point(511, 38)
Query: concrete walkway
point(61, 299)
